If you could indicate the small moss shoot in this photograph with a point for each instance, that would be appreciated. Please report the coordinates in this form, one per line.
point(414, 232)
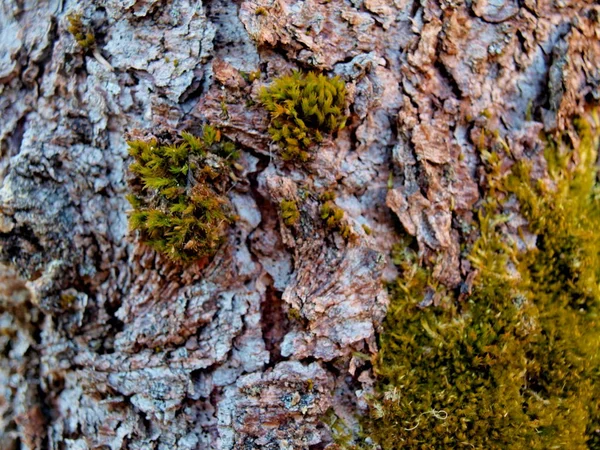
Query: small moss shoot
point(513, 362)
point(83, 34)
point(261, 11)
point(250, 77)
point(340, 431)
point(294, 314)
point(289, 212)
point(303, 108)
point(253, 76)
point(178, 193)
point(334, 216)
point(224, 110)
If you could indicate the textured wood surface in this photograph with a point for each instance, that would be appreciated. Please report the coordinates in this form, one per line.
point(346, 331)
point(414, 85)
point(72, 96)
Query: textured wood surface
point(104, 344)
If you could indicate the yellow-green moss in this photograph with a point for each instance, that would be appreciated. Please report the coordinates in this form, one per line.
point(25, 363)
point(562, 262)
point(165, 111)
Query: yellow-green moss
point(294, 314)
point(340, 431)
point(289, 212)
point(179, 206)
point(513, 361)
point(302, 108)
point(251, 76)
point(333, 216)
point(82, 33)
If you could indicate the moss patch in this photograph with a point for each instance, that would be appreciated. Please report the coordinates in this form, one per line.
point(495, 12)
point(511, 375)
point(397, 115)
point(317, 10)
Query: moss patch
point(334, 216)
point(289, 212)
point(83, 34)
point(179, 206)
point(512, 362)
point(303, 107)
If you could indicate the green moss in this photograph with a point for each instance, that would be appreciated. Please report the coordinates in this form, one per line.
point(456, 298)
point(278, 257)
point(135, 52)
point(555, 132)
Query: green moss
point(255, 75)
point(289, 212)
point(224, 110)
point(251, 76)
point(82, 33)
point(304, 107)
point(340, 431)
point(294, 314)
point(66, 300)
point(513, 361)
point(179, 206)
point(333, 216)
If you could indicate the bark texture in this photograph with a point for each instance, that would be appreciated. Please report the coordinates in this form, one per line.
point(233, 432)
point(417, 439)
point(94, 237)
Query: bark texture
point(104, 344)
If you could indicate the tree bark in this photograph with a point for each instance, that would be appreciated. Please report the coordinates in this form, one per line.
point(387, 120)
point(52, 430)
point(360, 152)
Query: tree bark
point(106, 344)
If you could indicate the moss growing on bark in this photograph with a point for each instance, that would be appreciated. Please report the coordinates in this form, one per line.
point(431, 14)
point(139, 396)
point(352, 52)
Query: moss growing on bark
point(334, 216)
point(304, 107)
point(83, 34)
point(289, 212)
point(178, 193)
point(514, 361)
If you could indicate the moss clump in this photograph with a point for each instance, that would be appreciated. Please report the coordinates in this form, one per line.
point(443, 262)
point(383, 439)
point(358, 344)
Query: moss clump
point(302, 108)
point(83, 35)
point(289, 212)
point(515, 363)
point(260, 11)
point(333, 216)
point(178, 198)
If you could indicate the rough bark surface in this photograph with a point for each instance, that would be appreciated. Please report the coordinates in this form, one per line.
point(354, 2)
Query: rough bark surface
point(104, 344)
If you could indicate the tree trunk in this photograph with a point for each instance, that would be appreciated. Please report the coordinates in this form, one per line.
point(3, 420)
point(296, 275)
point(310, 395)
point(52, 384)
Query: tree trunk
point(105, 343)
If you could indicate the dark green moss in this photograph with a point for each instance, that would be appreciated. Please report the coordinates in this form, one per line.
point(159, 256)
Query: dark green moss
point(179, 206)
point(512, 361)
point(302, 108)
